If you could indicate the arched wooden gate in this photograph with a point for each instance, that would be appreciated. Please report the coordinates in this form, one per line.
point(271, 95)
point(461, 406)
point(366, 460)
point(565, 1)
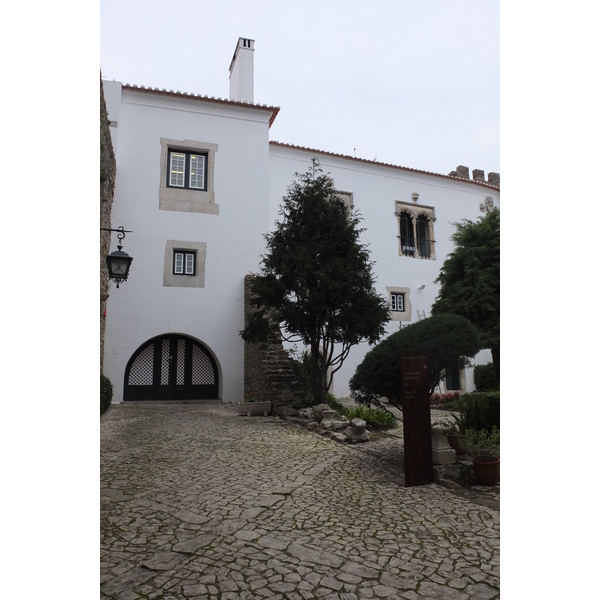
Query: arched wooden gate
point(171, 367)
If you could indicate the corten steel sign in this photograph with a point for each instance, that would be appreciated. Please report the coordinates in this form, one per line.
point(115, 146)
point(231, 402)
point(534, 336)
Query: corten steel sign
point(418, 459)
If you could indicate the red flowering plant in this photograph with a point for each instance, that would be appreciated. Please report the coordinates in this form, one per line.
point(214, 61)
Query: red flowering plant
point(437, 399)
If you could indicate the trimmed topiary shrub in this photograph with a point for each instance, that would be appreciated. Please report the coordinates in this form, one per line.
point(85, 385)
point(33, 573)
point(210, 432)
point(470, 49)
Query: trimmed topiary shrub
point(485, 377)
point(106, 393)
point(447, 340)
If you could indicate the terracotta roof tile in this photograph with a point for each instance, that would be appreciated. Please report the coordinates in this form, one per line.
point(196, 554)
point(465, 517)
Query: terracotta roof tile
point(162, 92)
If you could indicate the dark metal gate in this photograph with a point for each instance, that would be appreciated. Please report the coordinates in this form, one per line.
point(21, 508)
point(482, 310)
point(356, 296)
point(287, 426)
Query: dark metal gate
point(171, 367)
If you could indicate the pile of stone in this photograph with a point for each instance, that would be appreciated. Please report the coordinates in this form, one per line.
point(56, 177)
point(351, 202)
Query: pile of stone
point(322, 419)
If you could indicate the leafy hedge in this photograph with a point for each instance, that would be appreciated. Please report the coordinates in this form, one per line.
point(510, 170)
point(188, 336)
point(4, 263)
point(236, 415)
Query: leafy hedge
point(485, 377)
point(479, 411)
point(106, 393)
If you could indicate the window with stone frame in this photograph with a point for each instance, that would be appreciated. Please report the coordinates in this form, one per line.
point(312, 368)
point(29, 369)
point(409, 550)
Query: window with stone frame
point(347, 198)
point(187, 176)
point(454, 379)
point(399, 303)
point(415, 228)
point(184, 264)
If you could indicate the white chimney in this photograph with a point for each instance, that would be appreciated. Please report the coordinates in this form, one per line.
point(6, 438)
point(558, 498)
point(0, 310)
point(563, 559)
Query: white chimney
point(241, 72)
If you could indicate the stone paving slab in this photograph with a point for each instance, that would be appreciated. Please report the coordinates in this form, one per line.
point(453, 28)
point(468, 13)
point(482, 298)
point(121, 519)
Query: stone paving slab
point(198, 502)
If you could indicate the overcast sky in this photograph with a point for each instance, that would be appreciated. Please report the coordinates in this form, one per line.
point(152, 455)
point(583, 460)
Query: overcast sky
point(412, 83)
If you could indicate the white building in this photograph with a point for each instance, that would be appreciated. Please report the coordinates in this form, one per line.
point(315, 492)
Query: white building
point(199, 183)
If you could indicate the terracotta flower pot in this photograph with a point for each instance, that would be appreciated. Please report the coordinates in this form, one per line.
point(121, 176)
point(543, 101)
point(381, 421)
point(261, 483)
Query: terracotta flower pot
point(487, 471)
point(455, 442)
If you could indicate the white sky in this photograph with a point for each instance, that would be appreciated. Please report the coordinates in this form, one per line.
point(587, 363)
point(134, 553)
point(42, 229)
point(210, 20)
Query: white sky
point(411, 83)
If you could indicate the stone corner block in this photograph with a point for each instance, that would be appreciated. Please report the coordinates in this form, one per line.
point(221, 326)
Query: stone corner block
point(252, 409)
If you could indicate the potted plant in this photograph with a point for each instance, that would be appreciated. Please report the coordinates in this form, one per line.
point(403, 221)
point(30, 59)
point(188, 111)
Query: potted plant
point(484, 447)
point(456, 434)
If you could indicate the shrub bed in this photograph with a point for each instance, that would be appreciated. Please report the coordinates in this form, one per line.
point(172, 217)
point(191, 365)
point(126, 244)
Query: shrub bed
point(375, 418)
point(443, 399)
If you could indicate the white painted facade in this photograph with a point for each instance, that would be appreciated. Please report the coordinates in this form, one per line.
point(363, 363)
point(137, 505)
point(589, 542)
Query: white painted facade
point(249, 177)
point(375, 189)
point(143, 307)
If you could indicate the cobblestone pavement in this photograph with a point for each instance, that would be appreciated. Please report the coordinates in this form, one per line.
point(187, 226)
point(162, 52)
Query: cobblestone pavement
point(198, 502)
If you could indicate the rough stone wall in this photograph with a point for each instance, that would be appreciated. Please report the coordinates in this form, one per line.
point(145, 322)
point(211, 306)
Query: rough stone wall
point(108, 170)
point(478, 175)
point(269, 373)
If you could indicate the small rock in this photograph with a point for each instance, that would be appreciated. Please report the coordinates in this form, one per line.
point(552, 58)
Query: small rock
point(319, 410)
point(287, 411)
point(306, 413)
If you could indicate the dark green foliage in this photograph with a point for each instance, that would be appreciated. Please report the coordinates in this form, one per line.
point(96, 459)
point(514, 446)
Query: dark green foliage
point(485, 377)
point(106, 393)
point(375, 418)
point(470, 280)
point(479, 411)
point(447, 340)
point(316, 280)
point(483, 443)
point(333, 402)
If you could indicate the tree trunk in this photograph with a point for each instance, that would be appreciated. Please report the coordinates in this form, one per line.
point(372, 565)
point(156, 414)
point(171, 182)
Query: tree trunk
point(317, 384)
point(496, 361)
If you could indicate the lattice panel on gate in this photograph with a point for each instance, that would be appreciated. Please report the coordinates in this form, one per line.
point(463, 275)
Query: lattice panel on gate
point(202, 369)
point(164, 362)
point(141, 369)
point(180, 362)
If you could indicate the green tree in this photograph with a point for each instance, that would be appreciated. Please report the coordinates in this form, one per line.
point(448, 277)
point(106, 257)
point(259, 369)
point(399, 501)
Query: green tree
point(447, 340)
point(470, 280)
point(316, 281)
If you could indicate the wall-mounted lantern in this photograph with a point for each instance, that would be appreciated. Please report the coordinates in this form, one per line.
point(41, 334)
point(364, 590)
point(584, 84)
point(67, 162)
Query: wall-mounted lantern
point(118, 262)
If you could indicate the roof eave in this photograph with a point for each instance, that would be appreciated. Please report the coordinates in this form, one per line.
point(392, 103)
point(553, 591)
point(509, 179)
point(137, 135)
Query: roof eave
point(382, 164)
point(196, 97)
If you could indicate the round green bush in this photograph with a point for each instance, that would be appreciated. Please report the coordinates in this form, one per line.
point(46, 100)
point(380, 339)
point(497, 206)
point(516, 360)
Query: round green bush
point(447, 340)
point(106, 393)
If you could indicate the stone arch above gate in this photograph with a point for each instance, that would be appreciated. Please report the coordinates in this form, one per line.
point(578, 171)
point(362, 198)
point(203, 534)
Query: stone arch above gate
point(171, 367)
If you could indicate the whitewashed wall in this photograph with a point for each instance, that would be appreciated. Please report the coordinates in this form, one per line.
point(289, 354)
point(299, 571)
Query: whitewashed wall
point(251, 176)
point(142, 307)
point(375, 190)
